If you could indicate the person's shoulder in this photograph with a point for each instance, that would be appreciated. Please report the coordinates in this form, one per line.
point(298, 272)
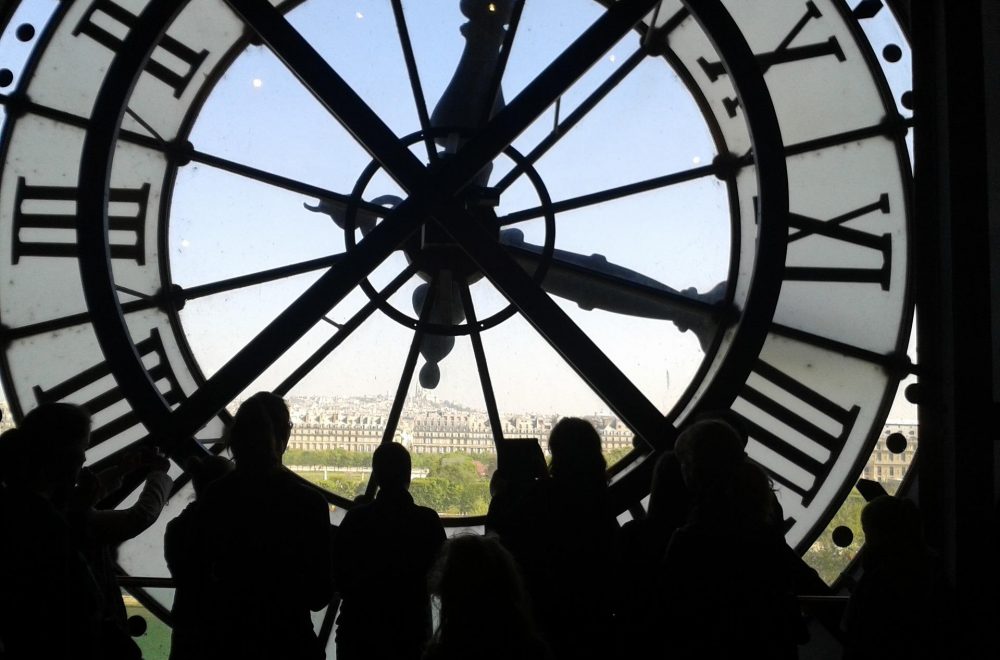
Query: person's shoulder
point(427, 515)
point(222, 488)
point(185, 519)
point(358, 514)
point(426, 511)
point(285, 478)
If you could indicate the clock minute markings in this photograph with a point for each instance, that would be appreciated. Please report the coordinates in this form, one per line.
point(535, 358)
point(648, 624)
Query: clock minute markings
point(784, 53)
point(103, 16)
point(73, 387)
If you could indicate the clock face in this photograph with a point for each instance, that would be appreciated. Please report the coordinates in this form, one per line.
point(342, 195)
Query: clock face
point(418, 209)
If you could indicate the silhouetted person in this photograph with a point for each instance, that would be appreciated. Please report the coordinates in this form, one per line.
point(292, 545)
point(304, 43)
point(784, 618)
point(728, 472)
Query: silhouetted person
point(892, 612)
point(99, 532)
point(568, 533)
point(50, 605)
point(189, 572)
point(642, 544)
point(708, 451)
point(383, 552)
point(485, 611)
point(712, 454)
point(712, 605)
point(264, 537)
point(514, 488)
point(277, 412)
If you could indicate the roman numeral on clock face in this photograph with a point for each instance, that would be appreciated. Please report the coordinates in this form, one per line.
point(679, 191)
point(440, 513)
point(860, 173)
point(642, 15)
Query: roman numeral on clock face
point(880, 245)
point(784, 53)
point(172, 62)
point(788, 418)
point(99, 399)
point(45, 222)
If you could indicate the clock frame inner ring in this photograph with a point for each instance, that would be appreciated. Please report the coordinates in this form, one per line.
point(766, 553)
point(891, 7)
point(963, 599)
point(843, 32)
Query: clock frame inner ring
point(435, 254)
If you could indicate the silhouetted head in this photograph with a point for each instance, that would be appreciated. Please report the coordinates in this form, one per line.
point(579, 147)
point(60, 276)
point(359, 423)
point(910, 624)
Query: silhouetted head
point(205, 470)
point(668, 496)
point(727, 417)
point(575, 446)
point(251, 437)
point(391, 467)
point(708, 450)
point(751, 494)
point(281, 421)
point(479, 584)
point(13, 454)
point(55, 437)
point(891, 526)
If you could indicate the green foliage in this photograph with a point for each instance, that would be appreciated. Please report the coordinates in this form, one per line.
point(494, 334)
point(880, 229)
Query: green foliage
point(333, 457)
point(457, 468)
point(155, 643)
point(612, 456)
point(343, 484)
point(451, 498)
point(453, 486)
point(824, 556)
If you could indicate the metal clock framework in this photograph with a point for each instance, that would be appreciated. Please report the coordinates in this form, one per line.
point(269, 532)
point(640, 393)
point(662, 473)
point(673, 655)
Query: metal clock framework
point(804, 338)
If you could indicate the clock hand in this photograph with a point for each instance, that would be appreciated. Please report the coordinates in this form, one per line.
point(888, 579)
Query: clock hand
point(447, 308)
point(595, 283)
point(363, 219)
point(473, 95)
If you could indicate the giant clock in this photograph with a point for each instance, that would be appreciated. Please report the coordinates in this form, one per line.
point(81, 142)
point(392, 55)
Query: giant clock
point(710, 194)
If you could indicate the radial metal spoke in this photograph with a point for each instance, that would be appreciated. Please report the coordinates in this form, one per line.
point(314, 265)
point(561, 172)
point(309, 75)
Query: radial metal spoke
point(504, 56)
point(893, 362)
point(188, 153)
point(331, 90)
point(293, 323)
point(260, 277)
point(68, 321)
point(405, 378)
point(343, 332)
point(543, 91)
point(411, 69)
point(564, 127)
point(575, 346)
point(176, 295)
point(611, 194)
point(489, 397)
point(283, 182)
